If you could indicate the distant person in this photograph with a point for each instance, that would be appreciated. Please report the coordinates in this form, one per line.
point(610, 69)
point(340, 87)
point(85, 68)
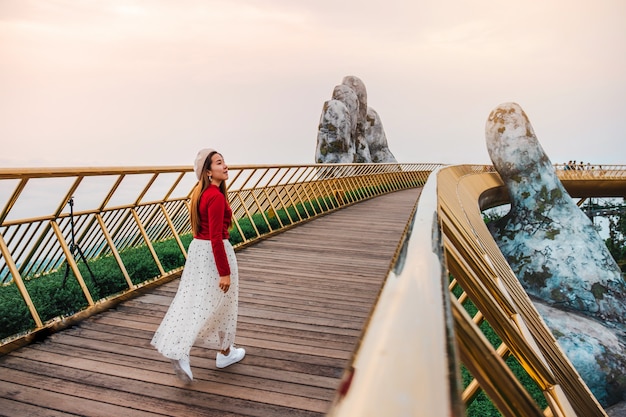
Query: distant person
point(205, 306)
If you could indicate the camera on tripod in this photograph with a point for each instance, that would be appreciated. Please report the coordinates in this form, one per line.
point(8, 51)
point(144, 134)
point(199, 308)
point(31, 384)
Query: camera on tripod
point(74, 248)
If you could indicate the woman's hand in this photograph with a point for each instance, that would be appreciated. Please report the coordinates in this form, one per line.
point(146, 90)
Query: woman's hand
point(225, 283)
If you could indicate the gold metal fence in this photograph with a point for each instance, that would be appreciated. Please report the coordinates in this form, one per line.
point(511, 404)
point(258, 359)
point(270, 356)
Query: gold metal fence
point(58, 227)
point(482, 276)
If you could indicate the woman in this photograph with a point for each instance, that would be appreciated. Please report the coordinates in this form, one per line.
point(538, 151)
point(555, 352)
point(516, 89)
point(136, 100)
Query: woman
point(204, 308)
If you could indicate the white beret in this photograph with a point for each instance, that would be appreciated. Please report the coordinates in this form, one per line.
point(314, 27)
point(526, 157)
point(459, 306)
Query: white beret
point(200, 160)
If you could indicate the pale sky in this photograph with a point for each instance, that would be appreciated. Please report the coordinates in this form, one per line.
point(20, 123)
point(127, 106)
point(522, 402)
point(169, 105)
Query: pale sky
point(149, 82)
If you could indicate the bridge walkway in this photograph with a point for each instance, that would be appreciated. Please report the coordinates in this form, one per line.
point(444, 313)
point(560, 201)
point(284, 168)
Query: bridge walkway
point(305, 296)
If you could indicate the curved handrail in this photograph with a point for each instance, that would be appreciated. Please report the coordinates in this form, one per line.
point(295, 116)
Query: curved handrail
point(598, 181)
point(477, 265)
point(406, 362)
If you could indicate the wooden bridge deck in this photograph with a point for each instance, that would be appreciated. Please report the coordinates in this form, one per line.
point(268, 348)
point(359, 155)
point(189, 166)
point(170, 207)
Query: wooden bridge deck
point(305, 296)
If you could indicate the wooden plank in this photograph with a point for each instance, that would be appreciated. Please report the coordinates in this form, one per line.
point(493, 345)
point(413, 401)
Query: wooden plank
point(132, 394)
point(71, 403)
point(11, 408)
point(305, 296)
point(224, 383)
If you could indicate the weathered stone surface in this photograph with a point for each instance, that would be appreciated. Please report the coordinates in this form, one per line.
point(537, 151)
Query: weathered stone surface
point(557, 254)
point(595, 350)
point(353, 133)
point(375, 138)
point(348, 96)
point(618, 410)
point(357, 85)
point(549, 242)
point(334, 145)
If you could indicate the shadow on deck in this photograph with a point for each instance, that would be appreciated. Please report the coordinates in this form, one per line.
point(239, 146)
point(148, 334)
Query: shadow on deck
point(305, 296)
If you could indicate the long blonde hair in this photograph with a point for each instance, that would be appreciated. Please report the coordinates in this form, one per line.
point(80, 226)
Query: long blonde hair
point(200, 187)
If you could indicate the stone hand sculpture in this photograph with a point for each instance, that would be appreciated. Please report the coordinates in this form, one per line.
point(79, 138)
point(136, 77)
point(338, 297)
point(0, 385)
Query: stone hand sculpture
point(549, 242)
point(558, 256)
point(349, 131)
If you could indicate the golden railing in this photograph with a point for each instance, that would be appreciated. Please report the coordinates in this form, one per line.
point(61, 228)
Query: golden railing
point(406, 363)
point(480, 270)
point(60, 221)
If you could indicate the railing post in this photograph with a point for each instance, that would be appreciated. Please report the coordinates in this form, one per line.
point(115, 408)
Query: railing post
point(116, 254)
point(17, 278)
point(146, 238)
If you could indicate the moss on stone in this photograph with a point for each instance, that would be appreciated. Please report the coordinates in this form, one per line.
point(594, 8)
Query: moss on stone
point(519, 259)
point(556, 194)
point(557, 334)
point(598, 290)
point(337, 146)
point(551, 234)
point(537, 279)
point(557, 295)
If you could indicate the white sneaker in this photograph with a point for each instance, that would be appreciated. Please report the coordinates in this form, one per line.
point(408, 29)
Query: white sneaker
point(183, 370)
point(234, 356)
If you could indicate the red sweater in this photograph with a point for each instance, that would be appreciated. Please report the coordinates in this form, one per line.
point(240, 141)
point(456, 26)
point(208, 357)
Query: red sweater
point(215, 218)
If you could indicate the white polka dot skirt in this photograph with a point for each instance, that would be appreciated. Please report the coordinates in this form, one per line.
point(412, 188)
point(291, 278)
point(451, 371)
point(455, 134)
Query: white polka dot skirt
point(200, 311)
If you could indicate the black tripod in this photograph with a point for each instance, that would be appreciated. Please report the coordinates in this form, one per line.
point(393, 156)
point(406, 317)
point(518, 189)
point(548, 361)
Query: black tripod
point(75, 248)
